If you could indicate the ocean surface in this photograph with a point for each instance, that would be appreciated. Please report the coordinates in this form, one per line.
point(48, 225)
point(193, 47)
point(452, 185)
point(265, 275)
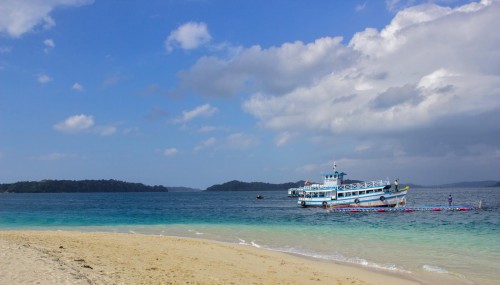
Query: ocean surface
point(448, 247)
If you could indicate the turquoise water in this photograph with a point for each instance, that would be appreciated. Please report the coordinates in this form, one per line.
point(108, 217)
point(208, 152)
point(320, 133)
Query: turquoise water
point(445, 247)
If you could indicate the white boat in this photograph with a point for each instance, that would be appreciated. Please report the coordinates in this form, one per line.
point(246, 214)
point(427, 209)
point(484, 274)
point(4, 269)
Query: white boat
point(295, 192)
point(334, 193)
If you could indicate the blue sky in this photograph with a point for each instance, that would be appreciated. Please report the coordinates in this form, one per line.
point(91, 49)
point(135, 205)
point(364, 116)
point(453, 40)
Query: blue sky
point(196, 93)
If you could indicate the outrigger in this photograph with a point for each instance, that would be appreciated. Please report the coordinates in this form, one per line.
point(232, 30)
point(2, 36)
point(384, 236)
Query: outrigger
point(410, 209)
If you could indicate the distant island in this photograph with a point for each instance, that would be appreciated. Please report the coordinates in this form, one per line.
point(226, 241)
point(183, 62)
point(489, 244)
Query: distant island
point(81, 186)
point(236, 185)
point(111, 185)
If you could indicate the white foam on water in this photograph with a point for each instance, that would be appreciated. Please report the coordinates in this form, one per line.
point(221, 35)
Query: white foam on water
point(433, 268)
point(255, 244)
point(196, 232)
point(242, 242)
point(342, 258)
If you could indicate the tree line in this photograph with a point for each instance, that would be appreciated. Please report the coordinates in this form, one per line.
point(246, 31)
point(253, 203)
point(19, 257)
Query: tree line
point(80, 186)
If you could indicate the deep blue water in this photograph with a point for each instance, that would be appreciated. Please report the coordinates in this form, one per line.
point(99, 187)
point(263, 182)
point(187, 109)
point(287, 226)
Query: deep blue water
point(434, 242)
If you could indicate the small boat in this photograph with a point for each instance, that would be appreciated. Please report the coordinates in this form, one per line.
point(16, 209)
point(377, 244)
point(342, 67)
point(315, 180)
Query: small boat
point(295, 192)
point(259, 197)
point(334, 193)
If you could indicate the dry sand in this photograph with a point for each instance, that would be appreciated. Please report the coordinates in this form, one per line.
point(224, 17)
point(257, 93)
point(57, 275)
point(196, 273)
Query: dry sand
point(60, 257)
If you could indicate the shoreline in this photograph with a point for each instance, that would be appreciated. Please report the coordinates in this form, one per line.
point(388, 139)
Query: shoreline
point(75, 257)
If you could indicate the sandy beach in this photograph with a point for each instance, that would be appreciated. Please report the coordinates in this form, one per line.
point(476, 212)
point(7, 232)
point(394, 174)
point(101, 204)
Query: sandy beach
point(65, 257)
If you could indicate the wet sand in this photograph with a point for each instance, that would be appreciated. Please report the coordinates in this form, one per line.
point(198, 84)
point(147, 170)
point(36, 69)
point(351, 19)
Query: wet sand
point(66, 257)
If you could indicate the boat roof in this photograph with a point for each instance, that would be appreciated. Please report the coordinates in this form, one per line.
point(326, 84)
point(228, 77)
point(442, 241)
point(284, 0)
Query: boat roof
point(334, 173)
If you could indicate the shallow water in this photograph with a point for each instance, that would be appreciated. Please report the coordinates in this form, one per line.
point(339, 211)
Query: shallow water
point(457, 246)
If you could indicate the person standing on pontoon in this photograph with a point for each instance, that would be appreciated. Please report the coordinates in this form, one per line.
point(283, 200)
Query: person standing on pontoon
point(450, 199)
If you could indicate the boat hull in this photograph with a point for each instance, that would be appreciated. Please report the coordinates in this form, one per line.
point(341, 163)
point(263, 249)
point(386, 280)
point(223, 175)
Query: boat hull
point(384, 199)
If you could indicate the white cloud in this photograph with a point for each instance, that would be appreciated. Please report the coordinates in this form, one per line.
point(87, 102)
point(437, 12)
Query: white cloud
point(418, 70)
point(170, 151)
point(241, 141)
point(105, 130)
point(188, 36)
point(49, 43)
point(206, 143)
point(77, 86)
point(360, 7)
point(43, 78)
point(284, 137)
point(20, 16)
point(75, 124)
point(201, 111)
point(432, 72)
point(276, 70)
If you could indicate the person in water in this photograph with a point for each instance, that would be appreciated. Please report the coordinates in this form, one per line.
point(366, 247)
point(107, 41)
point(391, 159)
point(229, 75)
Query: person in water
point(450, 199)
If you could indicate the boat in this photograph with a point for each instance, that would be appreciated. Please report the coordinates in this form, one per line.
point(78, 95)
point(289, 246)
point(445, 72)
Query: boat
point(333, 193)
point(295, 192)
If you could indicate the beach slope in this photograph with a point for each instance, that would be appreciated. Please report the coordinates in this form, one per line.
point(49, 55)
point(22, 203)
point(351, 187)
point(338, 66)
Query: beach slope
point(66, 257)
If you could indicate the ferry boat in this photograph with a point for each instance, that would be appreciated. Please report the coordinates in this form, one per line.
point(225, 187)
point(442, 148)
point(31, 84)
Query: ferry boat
point(295, 192)
point(334, 193)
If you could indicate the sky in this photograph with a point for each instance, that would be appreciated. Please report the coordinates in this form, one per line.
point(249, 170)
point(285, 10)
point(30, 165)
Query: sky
point(201, 92)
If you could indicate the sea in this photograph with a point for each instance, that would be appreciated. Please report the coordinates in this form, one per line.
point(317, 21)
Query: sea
point(446, 247)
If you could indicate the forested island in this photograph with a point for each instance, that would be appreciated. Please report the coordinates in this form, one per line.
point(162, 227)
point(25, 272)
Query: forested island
point(236, 185)
point(80, 186)
point(111, 185)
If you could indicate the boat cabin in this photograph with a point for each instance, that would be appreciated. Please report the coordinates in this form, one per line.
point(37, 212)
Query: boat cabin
point(333, 179)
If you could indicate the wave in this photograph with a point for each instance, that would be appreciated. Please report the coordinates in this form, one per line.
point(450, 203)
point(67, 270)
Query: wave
point(433, 268)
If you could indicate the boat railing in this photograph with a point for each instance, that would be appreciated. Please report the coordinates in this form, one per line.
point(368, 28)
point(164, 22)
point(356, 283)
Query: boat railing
point(360, 185)
point(353, 186)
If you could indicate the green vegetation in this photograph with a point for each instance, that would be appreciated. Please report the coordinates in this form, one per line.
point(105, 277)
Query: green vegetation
point(252, 186)
point(83, 186)
point(236, 185)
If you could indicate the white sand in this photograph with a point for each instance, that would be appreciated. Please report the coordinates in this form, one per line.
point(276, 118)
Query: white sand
point(55, 257)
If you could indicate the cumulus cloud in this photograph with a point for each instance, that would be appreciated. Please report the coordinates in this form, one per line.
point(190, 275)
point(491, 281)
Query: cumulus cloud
point(417, 70)
point(84, 123)
point(201, 111)
point(432, 68)
point(276, 70)
point(49, 44)
point(21, 16)
point(77, 86)
point(188, 36)
point(43, 78)
point(75, 124)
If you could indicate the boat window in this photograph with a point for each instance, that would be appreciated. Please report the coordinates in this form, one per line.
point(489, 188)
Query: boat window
point(378, 190)
point(362, 192)
point(340, 195)
point(355, 193)
point(369, 191)
point(348, 194)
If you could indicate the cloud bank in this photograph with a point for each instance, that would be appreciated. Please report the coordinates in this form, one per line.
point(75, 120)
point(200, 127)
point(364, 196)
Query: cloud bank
point(21, 16)
point(432, 71)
